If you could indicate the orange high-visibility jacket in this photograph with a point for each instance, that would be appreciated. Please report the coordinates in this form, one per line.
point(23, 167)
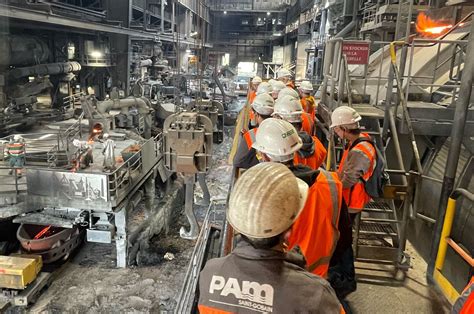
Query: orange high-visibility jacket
point(252, 95)
point(355, 196)
point(465, 303)
point(309, 105)
point(316, 160)
point(308, 123)
point(250, 137)
point(315, 231)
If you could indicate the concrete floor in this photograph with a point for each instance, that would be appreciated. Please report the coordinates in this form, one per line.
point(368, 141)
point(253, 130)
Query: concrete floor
point(379, 291)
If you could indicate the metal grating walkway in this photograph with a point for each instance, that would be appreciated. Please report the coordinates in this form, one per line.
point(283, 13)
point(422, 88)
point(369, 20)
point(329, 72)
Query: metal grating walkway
point(383, 229)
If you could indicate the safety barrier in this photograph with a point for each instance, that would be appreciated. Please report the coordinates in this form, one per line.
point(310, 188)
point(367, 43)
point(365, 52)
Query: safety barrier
point(443, 283)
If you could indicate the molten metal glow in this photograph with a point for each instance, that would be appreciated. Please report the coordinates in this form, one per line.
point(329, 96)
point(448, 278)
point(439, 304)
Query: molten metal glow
point(428, 27)
point(42, 233)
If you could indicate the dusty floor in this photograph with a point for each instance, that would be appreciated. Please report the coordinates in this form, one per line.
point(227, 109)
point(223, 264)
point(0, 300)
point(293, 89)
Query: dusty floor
point(380, 290)
point(90, 282)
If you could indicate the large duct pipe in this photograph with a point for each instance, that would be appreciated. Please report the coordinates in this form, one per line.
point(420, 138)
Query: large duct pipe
point(349, 27)
point(21, 50)
point(143, 105)
point(45, 69)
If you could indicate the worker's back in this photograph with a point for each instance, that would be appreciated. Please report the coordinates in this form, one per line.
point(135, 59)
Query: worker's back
point(253, 280)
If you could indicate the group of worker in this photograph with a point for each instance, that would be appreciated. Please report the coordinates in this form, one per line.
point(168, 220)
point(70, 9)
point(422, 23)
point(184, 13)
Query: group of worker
point(293, 218)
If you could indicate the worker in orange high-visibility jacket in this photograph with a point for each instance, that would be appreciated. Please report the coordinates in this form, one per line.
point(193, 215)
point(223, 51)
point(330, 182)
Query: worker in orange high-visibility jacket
point(245, 156)
point(284, 76)
point(358, 162)
point(14, 152)
point(263, 88)
point(315, 231)
point(312, 153)
point(259, 276)
point(465, 303)
point(307, 100)
point(256, 81)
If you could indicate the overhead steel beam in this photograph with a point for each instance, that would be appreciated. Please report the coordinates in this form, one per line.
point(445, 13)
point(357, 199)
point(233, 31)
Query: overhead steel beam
point(42, 17)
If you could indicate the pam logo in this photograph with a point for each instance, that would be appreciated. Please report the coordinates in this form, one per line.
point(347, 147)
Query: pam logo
point(286, 134)
point(247, 290)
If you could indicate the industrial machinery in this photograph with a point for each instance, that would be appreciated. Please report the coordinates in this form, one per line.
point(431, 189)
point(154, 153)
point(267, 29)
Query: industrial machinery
point(214, 110)
point(188, 138)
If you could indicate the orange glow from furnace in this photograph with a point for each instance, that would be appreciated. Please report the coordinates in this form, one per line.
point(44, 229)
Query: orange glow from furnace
point(428, 27)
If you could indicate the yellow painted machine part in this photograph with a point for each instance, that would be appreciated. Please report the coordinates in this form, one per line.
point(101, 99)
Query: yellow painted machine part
point(445, 233)
point(17, 272)
point(448, 290)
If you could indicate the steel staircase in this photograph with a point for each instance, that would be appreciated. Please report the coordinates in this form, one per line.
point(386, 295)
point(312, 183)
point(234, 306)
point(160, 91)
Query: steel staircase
point(379, 231)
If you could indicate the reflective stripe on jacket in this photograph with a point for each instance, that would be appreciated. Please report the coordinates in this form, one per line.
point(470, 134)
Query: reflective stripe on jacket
point(250, 280)
point(316, 160)
point(252, 95)
point(250, 137)
point(16, 149)
point(245, 156)
point(465, 303)
point(307, 123)
point(315, 231)
point(357, 163)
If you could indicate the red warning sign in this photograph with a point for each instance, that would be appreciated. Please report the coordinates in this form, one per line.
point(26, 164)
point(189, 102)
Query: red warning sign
point(357, 52)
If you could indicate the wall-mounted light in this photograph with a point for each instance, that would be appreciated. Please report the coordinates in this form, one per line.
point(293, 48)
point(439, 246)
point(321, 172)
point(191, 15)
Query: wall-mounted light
point(96, 54)
point(225, 12)
point(188, 50)
point(268, 13)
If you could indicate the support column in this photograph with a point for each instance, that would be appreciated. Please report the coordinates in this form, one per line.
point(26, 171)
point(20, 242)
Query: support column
point(120, 44)
point(121, 239)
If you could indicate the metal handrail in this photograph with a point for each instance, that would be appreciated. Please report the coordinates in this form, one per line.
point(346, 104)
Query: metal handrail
point(443, 283)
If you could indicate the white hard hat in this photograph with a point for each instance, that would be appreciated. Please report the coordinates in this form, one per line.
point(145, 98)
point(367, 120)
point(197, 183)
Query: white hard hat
point(266, 200)
point(263, 104)
point(283, 73)
point(278, 86)
point(288, 108)
point(278, 139)
point(306, 86)
point(288, 91)
point(17, 137)
point(264, 87)
point(76, 142)
point(345, 116)
point(257, 80)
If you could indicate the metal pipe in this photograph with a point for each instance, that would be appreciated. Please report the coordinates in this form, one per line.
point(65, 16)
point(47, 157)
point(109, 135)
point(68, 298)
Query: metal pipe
point(341, 82)
point(349, 27)
point(162, 16)
point(457, 132)
point(173, 17)
point(141, 104)
point(45, 69)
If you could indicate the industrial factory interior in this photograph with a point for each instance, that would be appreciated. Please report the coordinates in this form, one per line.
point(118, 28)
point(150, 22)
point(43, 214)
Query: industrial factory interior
point(133, 178)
